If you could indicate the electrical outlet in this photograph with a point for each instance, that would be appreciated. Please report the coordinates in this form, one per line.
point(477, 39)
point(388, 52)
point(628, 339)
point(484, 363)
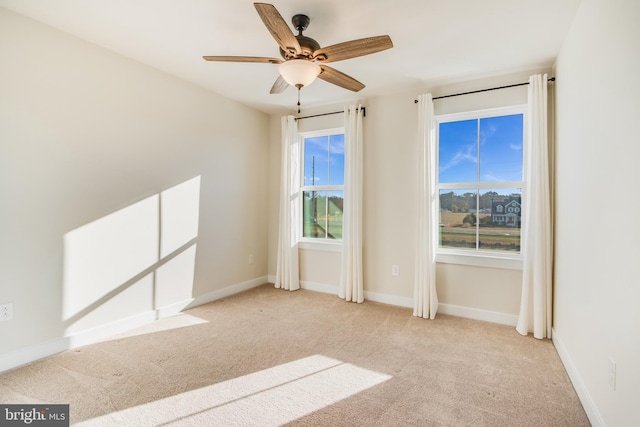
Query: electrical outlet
point(395, 270)
point(6, 312)
point(612, 373)
point(251, 259)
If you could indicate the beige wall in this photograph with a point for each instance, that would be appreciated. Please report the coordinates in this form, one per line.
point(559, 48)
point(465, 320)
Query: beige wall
point(88, 138)
point(390, 173)
point(318, 267)
point(597, 273)
point(100, 155)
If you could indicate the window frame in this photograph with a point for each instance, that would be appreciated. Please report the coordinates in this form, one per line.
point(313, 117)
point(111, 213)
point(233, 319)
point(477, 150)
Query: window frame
point(477, 257)
point(320, 244)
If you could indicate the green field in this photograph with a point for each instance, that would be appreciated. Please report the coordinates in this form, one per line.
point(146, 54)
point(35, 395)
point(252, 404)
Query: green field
point(456, 235)
point(318, 230)
point(320, 222)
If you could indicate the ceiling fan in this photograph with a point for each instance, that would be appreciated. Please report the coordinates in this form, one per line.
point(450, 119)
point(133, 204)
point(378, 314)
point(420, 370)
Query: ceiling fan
point(303, 58)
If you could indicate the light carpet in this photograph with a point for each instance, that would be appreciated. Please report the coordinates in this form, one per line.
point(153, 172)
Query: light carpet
point(268, 357)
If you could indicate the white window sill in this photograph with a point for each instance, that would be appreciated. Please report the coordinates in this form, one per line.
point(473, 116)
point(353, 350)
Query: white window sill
point(324, 245)
point(481, 260)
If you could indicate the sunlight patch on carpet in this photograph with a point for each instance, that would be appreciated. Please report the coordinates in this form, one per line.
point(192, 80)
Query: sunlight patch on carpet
point(180, 320)
point(270, 397)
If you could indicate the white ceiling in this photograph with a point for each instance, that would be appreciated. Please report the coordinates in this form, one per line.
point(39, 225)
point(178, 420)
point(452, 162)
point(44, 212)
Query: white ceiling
point(435, 41)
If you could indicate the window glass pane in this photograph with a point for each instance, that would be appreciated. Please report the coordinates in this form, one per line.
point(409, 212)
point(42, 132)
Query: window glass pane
point(334, 214)
point(500, 216)
point(336, 159)
point(314, 214)
point(472, 154)
point(323, 184)
point(458, 151)
point(501, 141)
point(316, 168)
point(458, 219)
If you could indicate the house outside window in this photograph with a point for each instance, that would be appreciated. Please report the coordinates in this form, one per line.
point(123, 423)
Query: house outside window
point(322, 185)
point(480, 182)
point(512, 207)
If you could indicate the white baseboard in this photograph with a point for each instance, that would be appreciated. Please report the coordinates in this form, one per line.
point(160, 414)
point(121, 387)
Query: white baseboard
point(32, 353)
point(368, 296)
point(228, 291)
point(320, 287)
point(478, 314)
point(389, 299)
point(581, 390)
point(407, 302)
point(38, 351)
point(173, 309)
point(106, 331)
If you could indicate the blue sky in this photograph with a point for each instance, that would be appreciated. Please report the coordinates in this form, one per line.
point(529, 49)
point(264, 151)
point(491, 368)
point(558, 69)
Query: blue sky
point(500, 156)
point(328, 152)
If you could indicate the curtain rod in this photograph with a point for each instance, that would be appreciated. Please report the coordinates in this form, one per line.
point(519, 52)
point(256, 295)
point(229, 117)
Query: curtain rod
point(364, 114)
point(551, 79)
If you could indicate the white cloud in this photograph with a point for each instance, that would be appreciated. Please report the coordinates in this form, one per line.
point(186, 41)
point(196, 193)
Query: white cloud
point(490, 177)
point(460, 156)
point(336, 147)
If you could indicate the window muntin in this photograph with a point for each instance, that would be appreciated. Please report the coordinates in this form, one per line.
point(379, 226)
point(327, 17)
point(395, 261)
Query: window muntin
point(323, 185)
point(480, 181)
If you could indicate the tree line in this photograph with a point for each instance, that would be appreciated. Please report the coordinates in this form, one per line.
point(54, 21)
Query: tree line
point(467, 202)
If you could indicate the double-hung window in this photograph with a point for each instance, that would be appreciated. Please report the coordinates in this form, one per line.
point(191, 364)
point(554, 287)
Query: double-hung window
point(322, 185)
point(480, 182)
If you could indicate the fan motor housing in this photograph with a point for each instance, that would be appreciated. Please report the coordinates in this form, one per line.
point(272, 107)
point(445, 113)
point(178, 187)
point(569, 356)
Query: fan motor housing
point(307, 44)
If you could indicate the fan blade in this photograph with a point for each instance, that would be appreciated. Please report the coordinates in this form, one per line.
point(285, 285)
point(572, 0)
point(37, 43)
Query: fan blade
point(243, 59)
point(278, 28)
point(338, 78)
point(279, 86)
point(352, 49)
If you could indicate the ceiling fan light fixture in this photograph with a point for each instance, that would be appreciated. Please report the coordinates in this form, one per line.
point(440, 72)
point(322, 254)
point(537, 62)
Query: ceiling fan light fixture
point(299, 72)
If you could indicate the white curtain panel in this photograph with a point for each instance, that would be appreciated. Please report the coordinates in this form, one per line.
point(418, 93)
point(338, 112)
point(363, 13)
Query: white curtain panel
point(351, 283)
point(287, 276)
point(536, 219)
point(425, 298)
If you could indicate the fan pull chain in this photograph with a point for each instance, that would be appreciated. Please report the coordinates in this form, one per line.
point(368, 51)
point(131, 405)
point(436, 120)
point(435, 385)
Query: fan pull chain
point(299, 87)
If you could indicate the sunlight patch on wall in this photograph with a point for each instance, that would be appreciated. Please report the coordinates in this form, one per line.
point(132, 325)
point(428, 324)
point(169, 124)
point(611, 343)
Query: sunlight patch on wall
point(174, 279)
point(271, 397)
point(138, 259)
point(179, 211)
point(102, 255)
point(128, 302)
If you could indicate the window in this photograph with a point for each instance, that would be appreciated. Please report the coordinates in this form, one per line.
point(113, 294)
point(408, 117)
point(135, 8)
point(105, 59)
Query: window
point(323, 185)
point(480, 182)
